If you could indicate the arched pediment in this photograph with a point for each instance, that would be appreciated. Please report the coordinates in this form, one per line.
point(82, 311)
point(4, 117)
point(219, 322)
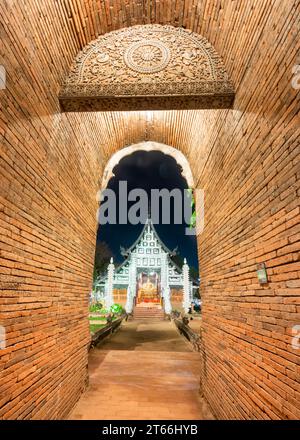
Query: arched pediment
point(148, 67)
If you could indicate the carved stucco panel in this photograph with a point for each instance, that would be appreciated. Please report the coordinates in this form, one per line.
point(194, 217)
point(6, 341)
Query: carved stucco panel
point(147, 61)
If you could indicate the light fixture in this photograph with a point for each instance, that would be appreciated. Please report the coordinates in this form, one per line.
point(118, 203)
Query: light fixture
point(262, 273)
point(149, 115)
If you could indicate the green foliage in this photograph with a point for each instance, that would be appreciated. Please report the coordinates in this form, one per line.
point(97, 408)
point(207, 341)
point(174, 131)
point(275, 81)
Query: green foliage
point(193, 220)
point(193, 216)
point(97, 318)
point(94, 308)
point(96, 327)
point(116, 308)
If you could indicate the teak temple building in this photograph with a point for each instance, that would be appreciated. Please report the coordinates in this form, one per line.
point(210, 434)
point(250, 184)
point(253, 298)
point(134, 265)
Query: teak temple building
point(148, 274)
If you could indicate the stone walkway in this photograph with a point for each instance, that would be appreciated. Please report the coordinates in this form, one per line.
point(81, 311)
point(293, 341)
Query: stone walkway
point(145, 371)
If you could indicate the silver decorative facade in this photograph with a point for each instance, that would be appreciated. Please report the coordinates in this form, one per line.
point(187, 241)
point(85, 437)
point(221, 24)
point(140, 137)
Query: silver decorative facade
point(148, 258)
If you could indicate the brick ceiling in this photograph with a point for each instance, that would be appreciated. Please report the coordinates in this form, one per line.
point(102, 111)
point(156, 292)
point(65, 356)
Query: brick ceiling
point(244, 33)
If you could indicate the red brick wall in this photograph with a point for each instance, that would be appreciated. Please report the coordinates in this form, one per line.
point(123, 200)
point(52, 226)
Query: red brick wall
point(50, 166)
point(247, 160)
point(252, 187)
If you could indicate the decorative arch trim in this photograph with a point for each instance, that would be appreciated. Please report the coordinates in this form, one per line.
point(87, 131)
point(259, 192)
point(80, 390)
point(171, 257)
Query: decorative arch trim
point(148, 146)
point(147, 67)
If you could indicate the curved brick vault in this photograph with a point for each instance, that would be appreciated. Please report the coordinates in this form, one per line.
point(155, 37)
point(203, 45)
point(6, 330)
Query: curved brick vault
point(246, 159)
point(149, 67)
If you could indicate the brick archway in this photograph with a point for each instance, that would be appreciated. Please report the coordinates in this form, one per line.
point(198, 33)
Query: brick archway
point(246, 159)
point(148, 146)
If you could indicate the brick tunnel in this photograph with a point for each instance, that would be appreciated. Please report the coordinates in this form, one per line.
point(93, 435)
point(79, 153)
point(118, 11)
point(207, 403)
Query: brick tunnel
point(237, 127)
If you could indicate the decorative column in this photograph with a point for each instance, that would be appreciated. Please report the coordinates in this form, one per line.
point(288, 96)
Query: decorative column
point(165, 284)
point(129, 301)
point(110, 284)
point(131, 289)
point(167, 301)
point(186, 287)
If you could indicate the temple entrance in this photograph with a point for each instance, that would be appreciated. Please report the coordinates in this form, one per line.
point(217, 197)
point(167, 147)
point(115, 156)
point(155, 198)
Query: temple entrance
point(149, 294)
point(149, 267)
point(148, 288)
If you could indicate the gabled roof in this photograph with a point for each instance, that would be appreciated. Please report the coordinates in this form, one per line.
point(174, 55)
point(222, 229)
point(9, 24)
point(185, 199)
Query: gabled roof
point(178, 268)
point(126, 252)
point(118, 268)
point(149, 222)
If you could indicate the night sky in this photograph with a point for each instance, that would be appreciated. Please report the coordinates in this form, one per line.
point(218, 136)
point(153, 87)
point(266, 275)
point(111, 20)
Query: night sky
point(148, 170)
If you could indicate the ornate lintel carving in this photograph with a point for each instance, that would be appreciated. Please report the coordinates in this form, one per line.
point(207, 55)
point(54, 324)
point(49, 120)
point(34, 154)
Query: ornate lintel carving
point(147, 67)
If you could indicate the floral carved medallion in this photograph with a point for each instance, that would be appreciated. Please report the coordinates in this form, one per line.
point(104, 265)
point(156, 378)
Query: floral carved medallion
point(147, 56)
point(148, 67)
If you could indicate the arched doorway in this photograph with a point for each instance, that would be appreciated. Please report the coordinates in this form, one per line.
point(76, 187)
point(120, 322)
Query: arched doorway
point(151, 268)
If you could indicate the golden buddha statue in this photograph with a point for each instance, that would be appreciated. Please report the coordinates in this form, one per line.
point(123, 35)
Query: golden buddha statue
point(148, 292)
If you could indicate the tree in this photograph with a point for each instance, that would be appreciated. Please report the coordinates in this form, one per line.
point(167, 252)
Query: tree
point(103, 255)
point(194, 273)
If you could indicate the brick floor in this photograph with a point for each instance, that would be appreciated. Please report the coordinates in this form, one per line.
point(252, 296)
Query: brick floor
point(145, 371)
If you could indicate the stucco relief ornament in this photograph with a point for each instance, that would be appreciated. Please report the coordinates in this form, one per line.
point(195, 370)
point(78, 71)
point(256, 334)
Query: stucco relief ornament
point(103, 58)
point(147, 56)
point(147, 67)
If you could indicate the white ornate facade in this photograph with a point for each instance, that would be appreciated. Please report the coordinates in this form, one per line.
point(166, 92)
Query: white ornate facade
point(148, 258)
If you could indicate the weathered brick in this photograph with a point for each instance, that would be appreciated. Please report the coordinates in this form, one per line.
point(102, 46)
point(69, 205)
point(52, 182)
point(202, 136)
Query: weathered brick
point(246, 159)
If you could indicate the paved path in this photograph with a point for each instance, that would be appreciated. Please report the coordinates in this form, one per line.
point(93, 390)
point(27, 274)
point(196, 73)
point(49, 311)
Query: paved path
point(145, 371)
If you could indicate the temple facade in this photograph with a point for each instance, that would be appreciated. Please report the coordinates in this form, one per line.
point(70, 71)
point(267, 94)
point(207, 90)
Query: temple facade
point(148, 274)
